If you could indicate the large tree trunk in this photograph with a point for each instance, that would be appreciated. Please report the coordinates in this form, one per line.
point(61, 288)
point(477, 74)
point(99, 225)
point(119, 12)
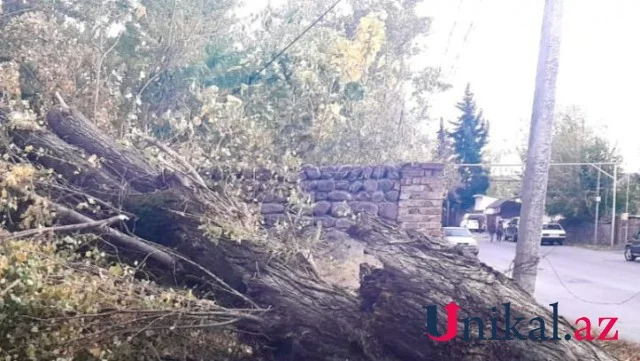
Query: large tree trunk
point(310, 319)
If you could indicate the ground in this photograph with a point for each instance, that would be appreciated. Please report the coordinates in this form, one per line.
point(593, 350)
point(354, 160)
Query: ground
point(585, 282)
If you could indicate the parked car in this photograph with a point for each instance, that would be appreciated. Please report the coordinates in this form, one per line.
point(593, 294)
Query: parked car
point(553, 233)
point(474, 222)
point(462, 238)
point(632, 249)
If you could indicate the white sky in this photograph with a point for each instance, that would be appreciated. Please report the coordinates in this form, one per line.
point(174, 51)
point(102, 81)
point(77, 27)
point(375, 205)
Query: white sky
point(599, 65)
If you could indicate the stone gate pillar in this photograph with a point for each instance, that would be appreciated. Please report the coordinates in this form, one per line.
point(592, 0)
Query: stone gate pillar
point(421, 194)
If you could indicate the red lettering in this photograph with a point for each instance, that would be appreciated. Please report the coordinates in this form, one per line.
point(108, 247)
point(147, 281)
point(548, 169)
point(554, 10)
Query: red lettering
point(452, 324)
point(607, 329)
point(581, 337)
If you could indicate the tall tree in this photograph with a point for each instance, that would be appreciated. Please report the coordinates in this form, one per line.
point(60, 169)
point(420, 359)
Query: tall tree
point(341, 89)
point(571, 190)
point(469, 139)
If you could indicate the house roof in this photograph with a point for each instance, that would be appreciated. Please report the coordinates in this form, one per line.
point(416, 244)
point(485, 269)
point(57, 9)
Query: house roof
point(500, 202)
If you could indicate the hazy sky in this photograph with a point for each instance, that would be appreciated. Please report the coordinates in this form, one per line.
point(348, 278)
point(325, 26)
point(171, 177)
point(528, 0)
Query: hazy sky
point(599, 65)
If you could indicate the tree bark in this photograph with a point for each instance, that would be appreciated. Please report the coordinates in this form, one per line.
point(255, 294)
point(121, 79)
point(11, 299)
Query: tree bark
point(70, 162)
point(310, 319)
point(75, 129)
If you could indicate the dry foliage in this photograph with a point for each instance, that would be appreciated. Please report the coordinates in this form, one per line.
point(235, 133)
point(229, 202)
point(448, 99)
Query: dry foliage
point(70, 298)
point(180, 71)
point(57, 304)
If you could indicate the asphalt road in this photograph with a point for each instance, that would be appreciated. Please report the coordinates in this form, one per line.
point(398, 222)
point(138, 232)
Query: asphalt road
point(584, 283)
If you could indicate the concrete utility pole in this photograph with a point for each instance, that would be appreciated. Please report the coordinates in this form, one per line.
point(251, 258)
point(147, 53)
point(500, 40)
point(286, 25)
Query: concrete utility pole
point(598, 199)
point(536, 175)
point(613, 206)
point(626, 210)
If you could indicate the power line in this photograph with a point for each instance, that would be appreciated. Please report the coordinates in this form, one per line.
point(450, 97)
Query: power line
point(446, 49)
point(464, 41)
point(438, 70)
point(545, 257)
point(438, 73)
point(294, 40)
point(454, 63)
point(585, 300)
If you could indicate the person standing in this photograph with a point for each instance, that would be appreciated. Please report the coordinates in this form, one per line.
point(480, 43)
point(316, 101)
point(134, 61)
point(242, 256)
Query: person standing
point(500, 229)
point(491, 228)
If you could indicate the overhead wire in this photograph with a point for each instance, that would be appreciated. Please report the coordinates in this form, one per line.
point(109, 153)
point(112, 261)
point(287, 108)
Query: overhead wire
point(448, 43)
point(563, 284)
point(455, 62)
point(295, 40)
point(441, 64)
point(439, 69)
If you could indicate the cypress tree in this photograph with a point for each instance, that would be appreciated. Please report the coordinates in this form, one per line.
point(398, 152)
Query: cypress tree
point(468, 139)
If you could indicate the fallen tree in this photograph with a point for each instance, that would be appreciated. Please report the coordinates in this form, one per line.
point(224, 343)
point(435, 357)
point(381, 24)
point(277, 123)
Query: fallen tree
point(307, 318)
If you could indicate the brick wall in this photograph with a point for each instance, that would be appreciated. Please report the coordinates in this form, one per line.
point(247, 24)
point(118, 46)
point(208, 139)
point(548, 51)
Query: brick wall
point(409, 194)
point(421, 195)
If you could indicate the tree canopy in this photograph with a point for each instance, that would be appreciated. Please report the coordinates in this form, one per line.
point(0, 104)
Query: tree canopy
point(572, 190)
point(196, 75)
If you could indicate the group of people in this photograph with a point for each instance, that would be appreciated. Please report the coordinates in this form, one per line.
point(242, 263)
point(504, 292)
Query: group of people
point(496, 230)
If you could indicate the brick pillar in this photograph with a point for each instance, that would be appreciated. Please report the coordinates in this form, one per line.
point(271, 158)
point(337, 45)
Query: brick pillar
point(421, 196)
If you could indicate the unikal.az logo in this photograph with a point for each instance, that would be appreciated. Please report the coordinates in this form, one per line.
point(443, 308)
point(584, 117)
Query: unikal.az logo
point(511, 324)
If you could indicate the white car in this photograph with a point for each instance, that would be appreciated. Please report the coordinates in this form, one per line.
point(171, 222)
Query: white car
point(473, 222)
point(461, 237)
point(553, 233)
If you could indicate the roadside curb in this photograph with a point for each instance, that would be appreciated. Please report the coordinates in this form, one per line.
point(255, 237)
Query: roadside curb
point(598, 248)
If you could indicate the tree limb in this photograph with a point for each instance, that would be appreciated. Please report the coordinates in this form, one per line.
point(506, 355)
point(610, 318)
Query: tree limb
point(67, 228)
point(177, 157)
point(75, 129)
point(121, 239)
point(99, 71)
point(61, 101)
point(11, 286)
point(118, 238)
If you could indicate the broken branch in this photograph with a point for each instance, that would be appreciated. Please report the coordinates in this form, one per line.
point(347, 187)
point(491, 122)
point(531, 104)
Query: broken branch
point(177, 157)
point(65, 228)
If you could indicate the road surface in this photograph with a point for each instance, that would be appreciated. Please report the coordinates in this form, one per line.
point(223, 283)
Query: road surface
point(584, 283)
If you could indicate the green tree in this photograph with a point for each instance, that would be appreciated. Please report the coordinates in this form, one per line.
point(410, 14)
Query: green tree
point(571, 190)
point(469, 138)
point(339, 94)
point(187, 72)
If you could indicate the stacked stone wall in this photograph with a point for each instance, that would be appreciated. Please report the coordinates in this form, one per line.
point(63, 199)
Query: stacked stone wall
point(410, 195)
